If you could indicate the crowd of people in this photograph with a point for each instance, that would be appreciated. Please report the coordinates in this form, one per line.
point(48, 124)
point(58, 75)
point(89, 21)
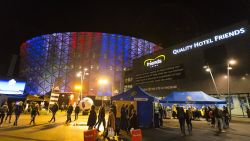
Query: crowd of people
point(218, 117)
point(126, 122)
point(6, 111)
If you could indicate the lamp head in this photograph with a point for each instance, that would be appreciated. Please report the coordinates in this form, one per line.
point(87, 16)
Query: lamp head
point(79, 74)
point(208, 69)
point(232, 62)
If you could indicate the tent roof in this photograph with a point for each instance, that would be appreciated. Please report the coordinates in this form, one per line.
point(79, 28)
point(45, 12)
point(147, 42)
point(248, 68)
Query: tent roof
point(195, 97)
point(136, 93)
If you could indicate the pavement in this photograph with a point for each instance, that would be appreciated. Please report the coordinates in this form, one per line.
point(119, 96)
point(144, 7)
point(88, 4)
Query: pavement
point(58, 131)
point(241, 119)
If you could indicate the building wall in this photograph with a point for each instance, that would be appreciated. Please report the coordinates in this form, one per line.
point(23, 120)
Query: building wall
point(184, 71)
point(54, 59)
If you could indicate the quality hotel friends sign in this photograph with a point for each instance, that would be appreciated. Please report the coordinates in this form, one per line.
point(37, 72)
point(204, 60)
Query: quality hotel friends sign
point(211, 40)
point(154, 62)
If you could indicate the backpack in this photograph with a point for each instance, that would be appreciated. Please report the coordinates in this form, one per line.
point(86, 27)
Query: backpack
point(181, 115)
point(220, 114)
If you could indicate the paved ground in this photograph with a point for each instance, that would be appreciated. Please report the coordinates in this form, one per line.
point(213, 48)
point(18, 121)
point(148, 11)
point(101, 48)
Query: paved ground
point(44, 131)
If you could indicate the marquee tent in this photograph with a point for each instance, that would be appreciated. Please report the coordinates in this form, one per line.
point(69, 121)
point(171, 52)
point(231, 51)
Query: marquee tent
point(194, 97)
point(144, 103)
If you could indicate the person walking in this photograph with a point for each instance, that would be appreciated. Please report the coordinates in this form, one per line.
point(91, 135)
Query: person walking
point(212, 116)
point(188, 117)
point(127, 117)
point(9, 114)
point(123, 118)
point(225, 117)
point(113, 107)
point(18, 110)
point(156, 119)
point(111, 123)
point(10, 111)
point(161, 115)
point(181, 117)
point(69, 112)
point(3, 110)
point(92, 118)
point(133, 122)
point(206, 114)
point(101, 118)
point(218, 119)
point(77, 111)
point(54, 109)
point(248, 112)
point(34, 111)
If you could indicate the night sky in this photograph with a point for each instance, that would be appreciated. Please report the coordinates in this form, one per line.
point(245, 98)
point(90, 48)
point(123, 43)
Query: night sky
point(164, 23)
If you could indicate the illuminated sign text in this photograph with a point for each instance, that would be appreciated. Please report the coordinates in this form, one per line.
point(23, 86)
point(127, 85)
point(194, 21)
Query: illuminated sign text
point(216, 38)
point(154, 62)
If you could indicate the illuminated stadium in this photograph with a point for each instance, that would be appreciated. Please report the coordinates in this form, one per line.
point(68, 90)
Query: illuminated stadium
point(54, 60)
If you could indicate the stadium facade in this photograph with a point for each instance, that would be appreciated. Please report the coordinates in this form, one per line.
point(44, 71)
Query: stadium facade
point(53, 60)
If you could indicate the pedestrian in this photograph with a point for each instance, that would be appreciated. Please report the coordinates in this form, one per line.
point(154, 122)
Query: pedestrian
point(130, 109)
point(113, 107)
point(225, 117)
point(111, 123)
point(54, 109)
point(188, 117)
point(156, 119)
point(92, 118)
point(3, 111)
point(218, 119)
point(212, 116)
point(181, 117)
point(123, 118)
point(160, 115)
point(9, 114)
point(34, 111)
point(248, 112)
point(127, 117)
point(69, 112)
point(18, 110)
point(133, 121)
point(77, 111)
point(206, 113)
point(101, 118)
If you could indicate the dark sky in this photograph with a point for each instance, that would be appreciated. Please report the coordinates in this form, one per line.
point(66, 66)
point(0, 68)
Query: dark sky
point(162, 22)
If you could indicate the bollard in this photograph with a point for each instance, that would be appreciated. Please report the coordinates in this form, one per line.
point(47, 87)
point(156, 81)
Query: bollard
point(90, 135)
point(136, 135)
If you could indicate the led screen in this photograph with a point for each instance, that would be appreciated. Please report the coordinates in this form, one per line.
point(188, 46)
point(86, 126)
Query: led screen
point(12, 86)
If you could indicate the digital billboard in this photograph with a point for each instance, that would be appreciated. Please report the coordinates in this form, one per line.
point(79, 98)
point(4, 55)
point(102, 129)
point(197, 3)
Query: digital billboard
point(11, 86)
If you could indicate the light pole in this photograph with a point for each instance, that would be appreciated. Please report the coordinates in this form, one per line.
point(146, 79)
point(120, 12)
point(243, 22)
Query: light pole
point(207, 68)
point(82, 76)
point(230, 62)
point(102, 82)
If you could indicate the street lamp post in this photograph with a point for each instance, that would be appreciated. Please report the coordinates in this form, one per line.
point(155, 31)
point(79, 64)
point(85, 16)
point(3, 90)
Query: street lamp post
point(207, 68)
point(230, 62)
point(82, 77)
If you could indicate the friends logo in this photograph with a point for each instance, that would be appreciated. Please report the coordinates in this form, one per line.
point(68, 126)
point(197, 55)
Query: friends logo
point(154, 62)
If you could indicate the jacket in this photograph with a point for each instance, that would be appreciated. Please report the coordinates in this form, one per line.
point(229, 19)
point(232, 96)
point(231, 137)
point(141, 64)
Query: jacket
point(111, 120)
point(70, 109)
point(92, 118)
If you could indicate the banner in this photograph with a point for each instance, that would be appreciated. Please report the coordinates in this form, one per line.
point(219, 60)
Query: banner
point(53, 98)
